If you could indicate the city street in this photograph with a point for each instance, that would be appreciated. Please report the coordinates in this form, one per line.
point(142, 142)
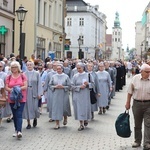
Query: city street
point(99, 135)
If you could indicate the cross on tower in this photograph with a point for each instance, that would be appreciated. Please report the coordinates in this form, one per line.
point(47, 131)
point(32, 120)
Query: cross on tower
point(3, 30)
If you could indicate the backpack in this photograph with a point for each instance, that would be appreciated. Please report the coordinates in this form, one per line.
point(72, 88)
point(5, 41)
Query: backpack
point(122, 125)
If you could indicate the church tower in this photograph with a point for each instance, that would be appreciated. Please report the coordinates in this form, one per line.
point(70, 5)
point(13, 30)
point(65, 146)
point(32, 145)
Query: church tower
point(116, 39)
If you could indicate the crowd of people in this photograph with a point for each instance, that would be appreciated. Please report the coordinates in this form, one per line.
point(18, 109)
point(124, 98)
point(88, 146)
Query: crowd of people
point(34, 82)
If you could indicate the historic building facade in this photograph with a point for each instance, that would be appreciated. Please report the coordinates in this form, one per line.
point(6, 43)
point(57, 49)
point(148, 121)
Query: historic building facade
point(87, 23)
point(43, 28)
point(7, 26)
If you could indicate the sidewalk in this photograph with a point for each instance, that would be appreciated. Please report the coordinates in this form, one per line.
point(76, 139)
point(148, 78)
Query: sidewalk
point(99, 135)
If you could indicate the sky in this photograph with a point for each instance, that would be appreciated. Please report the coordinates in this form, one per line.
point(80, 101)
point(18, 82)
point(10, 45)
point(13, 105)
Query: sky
point(130, 11)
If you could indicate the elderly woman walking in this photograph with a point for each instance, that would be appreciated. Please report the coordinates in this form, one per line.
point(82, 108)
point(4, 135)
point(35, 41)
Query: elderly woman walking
point(48, 90)
point(105, 85)
point(81, 96)
point(5, 111)
point(19, 80)
point(34, 92)
point(60, 84)
point(96, 89)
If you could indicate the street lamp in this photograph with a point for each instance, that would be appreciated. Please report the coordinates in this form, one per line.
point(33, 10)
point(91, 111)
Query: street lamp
point(80, 41)
point(21, 13)
point(141, 50)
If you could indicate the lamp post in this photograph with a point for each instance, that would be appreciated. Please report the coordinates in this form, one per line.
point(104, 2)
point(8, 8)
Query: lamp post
point(80, 41)
point(21, 13)
point(141, 49)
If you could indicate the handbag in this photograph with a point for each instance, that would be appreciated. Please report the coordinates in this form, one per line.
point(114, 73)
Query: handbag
point(92, 93)
point(122, 125)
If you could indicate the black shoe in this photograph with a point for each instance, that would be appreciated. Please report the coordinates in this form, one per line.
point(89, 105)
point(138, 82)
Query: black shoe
point(28, 126)
point(104, 110)
point(85, 123)
point(56, 127)
point(100, 112)
point(9, 120)
point(35, 122)
point(81, 128)
point(107, 107)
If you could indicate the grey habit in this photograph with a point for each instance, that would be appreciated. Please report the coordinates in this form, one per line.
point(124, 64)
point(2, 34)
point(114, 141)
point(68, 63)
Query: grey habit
point(60, 97)
point(96, 88)
point(34, 90)
point(49, 92)
point(81, 97)
point(105, 84)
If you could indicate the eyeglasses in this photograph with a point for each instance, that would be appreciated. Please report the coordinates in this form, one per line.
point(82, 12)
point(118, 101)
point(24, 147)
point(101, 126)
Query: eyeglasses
point(147, 71)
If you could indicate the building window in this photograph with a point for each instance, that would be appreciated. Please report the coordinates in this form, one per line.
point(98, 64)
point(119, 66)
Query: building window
point(69, 21)
point(40, 47)
point(118, 39)
point(115, 39)
point(115, 33)
point(118, 33)
point(81, 21)
point(39, 3)
point(44, 14)
point(82, 38)
point(50, 9)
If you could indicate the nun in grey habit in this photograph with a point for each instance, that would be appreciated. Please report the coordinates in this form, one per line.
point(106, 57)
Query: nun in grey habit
point(34, 93)
point(96, 88)
point(105, 85)
point(81, 96)
point(48, 90)
point(60, 85)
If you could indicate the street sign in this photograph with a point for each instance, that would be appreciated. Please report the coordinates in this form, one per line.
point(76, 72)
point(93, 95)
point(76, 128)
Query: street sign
point(3, 30)
point(86, 48)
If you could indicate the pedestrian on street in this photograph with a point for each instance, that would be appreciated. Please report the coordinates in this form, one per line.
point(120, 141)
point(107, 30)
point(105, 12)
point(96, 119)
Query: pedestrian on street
point(13, 80)
point(139, 90)
point(34, 92)
point(94, 107)
point(60, 85)
point(81, 96)
point(48, 90)
point(105, 85)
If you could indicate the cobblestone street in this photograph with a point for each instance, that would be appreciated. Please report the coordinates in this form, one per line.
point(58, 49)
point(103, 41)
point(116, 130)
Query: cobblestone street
point(99, 135)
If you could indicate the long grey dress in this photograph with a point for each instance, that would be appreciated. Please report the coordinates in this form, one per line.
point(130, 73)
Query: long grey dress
point(6, 111)
point(81, 97)
point(105, 84)
point(49, 92)
point(96, 88)
point(34, 90)
point(60, 97)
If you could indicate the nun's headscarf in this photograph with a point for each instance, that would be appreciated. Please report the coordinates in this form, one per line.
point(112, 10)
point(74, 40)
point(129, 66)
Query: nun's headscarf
point(80, 64)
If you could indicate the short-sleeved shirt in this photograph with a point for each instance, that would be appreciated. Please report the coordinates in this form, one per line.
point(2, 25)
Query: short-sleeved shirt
point(19, 81)
point(139, 88)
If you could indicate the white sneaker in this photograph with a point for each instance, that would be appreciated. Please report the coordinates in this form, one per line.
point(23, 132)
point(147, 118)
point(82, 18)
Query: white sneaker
point(19, 135)
point(15, 134)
